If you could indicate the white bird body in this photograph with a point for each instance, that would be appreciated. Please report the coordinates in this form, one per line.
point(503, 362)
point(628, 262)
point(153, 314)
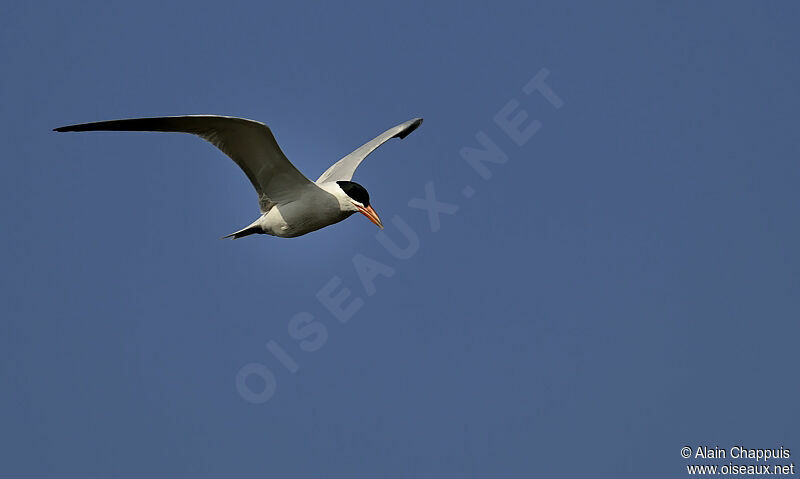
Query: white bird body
point(291, 205)
point(296, 219)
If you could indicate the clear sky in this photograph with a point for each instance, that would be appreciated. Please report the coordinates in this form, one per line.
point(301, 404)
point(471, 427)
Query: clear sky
point(624, 284)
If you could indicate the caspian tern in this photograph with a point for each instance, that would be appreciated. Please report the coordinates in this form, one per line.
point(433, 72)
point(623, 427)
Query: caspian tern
point(291, 205)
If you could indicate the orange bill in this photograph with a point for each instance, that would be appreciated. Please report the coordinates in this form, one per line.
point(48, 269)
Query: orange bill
point(371, 215)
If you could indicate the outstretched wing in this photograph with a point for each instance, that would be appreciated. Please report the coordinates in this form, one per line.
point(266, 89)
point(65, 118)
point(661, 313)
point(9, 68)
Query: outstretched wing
point(249, 143)
point(343, 169)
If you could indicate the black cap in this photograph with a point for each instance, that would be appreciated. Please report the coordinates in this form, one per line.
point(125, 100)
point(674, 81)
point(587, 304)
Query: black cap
point(355, 191)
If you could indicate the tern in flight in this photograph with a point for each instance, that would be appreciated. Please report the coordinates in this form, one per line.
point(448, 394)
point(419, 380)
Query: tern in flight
point(291, 204)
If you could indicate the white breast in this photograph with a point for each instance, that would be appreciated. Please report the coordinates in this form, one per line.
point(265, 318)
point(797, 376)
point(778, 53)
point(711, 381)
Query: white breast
point(304, 216)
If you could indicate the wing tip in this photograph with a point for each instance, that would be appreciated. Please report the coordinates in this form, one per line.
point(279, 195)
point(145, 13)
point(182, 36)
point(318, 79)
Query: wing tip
point(79, 127)
point(412, 125)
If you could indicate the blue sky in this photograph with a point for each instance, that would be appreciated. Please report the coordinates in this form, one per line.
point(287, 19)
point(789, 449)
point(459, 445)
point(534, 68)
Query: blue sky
point(623, 285)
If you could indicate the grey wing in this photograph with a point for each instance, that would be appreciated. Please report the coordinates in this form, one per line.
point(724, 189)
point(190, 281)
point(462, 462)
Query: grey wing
point(344, 169)
point(249, 143)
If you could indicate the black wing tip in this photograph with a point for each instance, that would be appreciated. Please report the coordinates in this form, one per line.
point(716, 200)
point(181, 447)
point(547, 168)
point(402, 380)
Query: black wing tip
point(413, 125)
point(70, 128)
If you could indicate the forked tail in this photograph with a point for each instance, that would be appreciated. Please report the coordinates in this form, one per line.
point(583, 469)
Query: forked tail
point(250, 230)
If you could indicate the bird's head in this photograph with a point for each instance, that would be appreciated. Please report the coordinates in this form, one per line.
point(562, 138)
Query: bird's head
point(356, 198)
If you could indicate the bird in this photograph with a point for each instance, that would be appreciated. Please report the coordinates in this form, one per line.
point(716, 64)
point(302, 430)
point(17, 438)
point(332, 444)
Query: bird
point(291, 205)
